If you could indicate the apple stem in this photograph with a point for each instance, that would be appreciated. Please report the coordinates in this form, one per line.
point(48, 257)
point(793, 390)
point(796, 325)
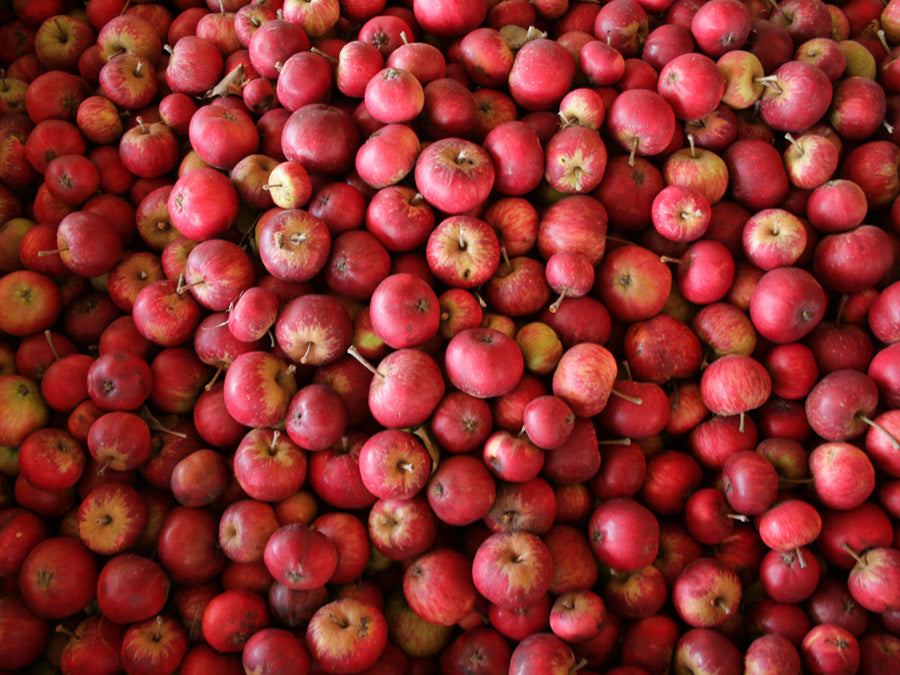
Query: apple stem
point(615, 441)
point(159, 620)
point(49, 336)
point(741, 423)
point(793, 142)
point(779, 10)
point(222, 6)
point(578, 666)
point(738, 516)
point(209, 385)
point(405, 466)
point(404, 37)
point(168, 49)
point(840, 309)
point(68, 633)
point(481, 301)
point(895, 444)
point(634, 145)
point(305, 357)
point(297, 238)
point(770, 81)
point(102, 469)
point(853, 554)
point(359, 357)
point(888, 126)
point(690, 139)
point(327, 57)
point(625, 397)
point(462, 237)
point(555, 306)
point(140, 121)
point(688, 214)
point(41, 254)
point(269, 186)
point(182, 288)
point(506, 258)
point(881, 38)
point(433, 451)
point(618, 240)
point(276, 434)
point(799, 553)
point(155, 425)
point(669, 259)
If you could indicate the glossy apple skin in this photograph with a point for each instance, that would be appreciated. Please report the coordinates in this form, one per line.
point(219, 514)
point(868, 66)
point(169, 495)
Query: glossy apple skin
point(624, 534)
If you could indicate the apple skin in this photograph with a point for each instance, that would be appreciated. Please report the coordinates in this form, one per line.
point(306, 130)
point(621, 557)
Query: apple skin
point(496, 571)
point(483, 362)
point(518, 159)
point(584, 378)
point(454, 174)
point(541, 74)
point(117, 595)
point(829, 648)
point(624, 534)
point(704, 650)
point(69, 592)
point(707, 593)
point(299, 557)
point(787, 303)
point(346, 635)
point(275, 650)
point(26, 635)
point(438, 587)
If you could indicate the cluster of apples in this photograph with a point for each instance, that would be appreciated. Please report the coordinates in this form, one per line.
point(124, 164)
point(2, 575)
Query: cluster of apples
point(472, 337)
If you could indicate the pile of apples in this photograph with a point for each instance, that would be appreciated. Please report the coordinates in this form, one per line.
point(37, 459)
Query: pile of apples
point(471, 337)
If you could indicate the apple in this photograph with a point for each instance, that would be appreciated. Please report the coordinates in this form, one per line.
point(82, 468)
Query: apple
point(706, 593)
point(117, 584)
point(787, 303)
point(454, 175)
point(394, 464)
point(346, 635)
point(702, 650)
point(484, 362)
point(624, 534)
point(46, 590)
point(640, 120)
point(438, 586)
point(827, 647)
